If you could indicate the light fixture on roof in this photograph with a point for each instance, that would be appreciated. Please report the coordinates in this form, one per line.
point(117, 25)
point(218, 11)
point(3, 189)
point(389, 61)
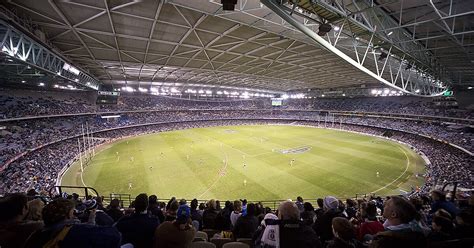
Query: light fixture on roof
point(324, 29)
point(383, 56)
point(23, 81)
point(469, 88)
point(41, 84)
point(336, 28)
point(390, 33)
point(228, 4)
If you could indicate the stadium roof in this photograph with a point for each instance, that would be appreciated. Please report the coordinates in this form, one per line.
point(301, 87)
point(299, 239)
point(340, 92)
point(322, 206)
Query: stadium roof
point(196, 42)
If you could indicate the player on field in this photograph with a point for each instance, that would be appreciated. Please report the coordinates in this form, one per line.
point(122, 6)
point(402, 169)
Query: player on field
point(245, 182)
point(245, 164)
point(129, 185)
point(151, 168)
point(132, 159)
point(378, 174)
point(292, 161)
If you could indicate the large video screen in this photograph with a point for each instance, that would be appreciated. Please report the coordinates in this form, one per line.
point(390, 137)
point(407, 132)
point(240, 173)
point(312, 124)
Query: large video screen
point(276, 102)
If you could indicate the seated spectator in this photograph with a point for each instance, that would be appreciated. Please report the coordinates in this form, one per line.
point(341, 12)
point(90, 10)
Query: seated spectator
point(268, 233)
point(246, 225)
point(369, 225)
point(400, 229)
point(319, 211)
point(442, 229)
point(236, 213)
point(323, 225)
point(138, 229)
point(299, 203)
point(224, 216)
point(101, 218)
point(14, 229)
point(178, 233)
point(307, 216)
point(154, 208)
point(465, 224)
point(222, 221)
point(201, 208)
point(440, 202)
point(292, 232)
point(209, 215)
point(63, 230)
point(114, 210)
point(35, 207)
point(350, 208)
point(171, 210)
point(344, 234)
point(195, 215)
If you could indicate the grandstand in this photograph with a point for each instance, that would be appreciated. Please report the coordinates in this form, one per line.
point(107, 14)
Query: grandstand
point(236, 123)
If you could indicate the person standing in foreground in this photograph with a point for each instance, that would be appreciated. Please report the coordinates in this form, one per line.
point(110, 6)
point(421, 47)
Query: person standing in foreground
point(400, 228)
point(138, 228)
point(178, 233)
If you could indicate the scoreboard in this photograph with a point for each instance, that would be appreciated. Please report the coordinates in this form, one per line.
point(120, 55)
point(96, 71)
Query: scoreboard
point(107, 97)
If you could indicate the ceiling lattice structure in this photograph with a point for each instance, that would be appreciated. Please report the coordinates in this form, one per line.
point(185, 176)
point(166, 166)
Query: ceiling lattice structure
point(195, 42)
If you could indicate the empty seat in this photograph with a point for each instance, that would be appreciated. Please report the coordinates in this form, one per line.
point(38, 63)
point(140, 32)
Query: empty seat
point(202, 244)
point(246, 241)
point(220, 242)
point(202, 235)
point(235, 245)
point(210, 232)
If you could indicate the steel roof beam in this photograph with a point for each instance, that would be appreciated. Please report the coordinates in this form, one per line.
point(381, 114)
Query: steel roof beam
point(276, 7)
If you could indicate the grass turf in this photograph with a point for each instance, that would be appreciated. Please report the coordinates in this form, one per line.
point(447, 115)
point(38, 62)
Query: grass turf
point(209, 163)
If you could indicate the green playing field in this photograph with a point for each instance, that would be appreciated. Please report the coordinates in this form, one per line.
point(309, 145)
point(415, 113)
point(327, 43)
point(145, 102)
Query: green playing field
point(263, 162)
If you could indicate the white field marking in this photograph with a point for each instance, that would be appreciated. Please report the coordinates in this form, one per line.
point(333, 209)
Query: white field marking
point(218, 177)
point(406, 168)
point(83, 183)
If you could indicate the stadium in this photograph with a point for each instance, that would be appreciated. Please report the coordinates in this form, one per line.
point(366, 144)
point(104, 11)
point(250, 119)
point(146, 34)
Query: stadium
point(236, 123)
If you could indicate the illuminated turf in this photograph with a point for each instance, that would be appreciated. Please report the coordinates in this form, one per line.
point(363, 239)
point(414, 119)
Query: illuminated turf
point(208, 163)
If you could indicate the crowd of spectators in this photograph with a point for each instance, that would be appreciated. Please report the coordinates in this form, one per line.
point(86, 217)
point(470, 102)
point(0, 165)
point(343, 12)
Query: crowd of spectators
point(431, 220)
point(410, 105)
point(17, 104)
